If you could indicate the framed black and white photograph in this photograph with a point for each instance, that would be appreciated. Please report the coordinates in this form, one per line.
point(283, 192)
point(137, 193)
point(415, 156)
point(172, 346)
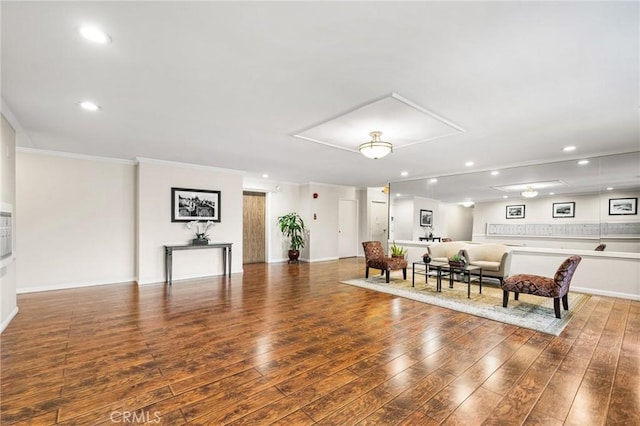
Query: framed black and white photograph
point(515, 211)
point(194, 204)
point(567, 209)
point(426, 218)
point(618, 206)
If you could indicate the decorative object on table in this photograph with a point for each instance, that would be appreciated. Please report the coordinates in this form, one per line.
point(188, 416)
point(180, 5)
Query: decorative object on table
point(426, 219)
point(194, 204)
point(397, 251)
point(567, 209)
point(426, 258)
point(200, 228)
point(621, 206)
point(292, 227)
point(457, 260)
point(515, 211)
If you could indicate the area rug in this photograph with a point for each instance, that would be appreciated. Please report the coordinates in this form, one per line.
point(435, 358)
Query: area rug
point(531, 312)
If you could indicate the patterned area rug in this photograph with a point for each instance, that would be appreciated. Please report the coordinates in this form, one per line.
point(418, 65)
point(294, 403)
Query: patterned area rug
point(532, 312)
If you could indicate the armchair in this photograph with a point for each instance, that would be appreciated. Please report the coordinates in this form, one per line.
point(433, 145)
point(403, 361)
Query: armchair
point(556, 287)
point(376, 259)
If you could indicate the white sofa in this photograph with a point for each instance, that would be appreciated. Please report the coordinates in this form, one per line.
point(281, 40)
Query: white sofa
point(494, 259)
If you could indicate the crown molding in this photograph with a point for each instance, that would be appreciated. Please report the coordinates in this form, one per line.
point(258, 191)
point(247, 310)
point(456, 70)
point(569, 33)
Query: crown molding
point(143, 160)
point(74, 156)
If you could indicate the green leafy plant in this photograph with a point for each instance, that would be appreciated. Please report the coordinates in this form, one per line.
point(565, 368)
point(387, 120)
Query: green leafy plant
point(292, 227)
point(458, 258)
point(396, 250)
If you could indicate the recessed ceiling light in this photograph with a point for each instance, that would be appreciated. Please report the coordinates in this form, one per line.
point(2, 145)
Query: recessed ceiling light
point(583, 162)
point(569, 148)
point(264, 175)
point(89, 106)
point(505, 196)
point(404, 174)
point(495, 173)
point(94, 34)
point(610, 188)
point(467, 203)
point(469, 163)
point(397, 195)
point(552, 193)
point(433, 180)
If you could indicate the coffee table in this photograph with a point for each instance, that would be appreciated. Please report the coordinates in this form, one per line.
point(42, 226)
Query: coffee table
point(441, 267)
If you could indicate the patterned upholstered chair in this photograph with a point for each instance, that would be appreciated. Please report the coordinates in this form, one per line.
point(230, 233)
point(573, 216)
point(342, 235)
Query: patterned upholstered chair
point(601, 247)
point(376, 259)
point(556, 287)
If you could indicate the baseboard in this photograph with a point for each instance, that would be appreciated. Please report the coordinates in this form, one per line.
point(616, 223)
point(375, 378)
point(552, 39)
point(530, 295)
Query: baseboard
point(183, 278)
point(6, 322)
point(67, 286)
point(606, 293)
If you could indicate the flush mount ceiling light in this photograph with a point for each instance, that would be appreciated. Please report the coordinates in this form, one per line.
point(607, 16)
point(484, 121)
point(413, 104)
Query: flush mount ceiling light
point(376, 148)
point(94, 34)
point(89, 106)
point(529, 193)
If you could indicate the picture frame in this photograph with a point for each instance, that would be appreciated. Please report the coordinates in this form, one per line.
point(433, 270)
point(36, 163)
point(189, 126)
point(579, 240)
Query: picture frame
point(426, 218)
point(623, 206)
point(189, 204)
point(515, 211)
point(566, 209)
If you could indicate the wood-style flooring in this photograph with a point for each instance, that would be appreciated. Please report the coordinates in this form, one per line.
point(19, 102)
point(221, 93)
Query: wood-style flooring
point(289, 345)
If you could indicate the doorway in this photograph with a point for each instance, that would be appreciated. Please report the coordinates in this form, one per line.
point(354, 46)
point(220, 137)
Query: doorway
point(347, 228)
point(379, 221)
point(253, 227)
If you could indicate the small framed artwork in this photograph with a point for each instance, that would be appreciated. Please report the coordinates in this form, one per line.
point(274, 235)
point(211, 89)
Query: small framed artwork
point(567, 209)
point(618, 206)
point(194, 204)
point(426, 218)
point(515, 211)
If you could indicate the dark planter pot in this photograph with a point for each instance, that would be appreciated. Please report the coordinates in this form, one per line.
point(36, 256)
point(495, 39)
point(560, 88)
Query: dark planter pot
point(294, 255)
point(426, 259)
point(199, 242)
point(457, 264)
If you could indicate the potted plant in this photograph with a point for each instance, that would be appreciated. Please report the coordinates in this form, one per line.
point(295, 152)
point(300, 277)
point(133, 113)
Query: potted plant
point(292, 227)
point(201, 236)
point(397, 251)
point(457, 260)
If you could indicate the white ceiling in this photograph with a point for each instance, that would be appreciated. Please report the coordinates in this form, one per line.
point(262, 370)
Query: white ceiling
point(228, 84)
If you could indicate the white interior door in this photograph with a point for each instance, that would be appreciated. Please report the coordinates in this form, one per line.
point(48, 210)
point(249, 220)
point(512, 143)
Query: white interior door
point(347, 228)
point(379, 222)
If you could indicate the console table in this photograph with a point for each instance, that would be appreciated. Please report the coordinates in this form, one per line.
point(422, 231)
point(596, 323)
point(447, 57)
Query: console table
point(168, 256)
point(434, 239)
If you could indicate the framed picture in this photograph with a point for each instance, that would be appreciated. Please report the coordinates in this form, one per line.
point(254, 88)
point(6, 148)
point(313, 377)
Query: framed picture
point(426, 218)
point(194, 204)
point(515, 211)
point(567, 209)
point(618, 206)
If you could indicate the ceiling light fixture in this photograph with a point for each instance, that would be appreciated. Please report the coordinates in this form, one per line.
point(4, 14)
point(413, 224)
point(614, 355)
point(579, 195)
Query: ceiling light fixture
point(469, 163)
point(404, 174)
point(89, 106)
point(583, 162)
point(569, 148)
point(94, 35)
point(529, 192)
point(376, 148)
point(467, 203)
point(495, 173)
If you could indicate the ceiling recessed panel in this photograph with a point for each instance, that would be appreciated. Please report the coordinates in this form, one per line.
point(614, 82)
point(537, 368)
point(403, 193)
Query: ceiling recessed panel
point(402, 122)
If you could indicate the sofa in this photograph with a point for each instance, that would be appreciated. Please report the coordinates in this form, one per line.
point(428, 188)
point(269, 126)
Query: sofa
point(494, 259)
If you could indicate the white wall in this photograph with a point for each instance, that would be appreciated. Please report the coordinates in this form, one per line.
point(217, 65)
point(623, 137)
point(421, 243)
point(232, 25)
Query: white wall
point(155, 229)
point(403, 220)
point(591, 208)
point(76, 224)
point(8, 302)
point(457, 222)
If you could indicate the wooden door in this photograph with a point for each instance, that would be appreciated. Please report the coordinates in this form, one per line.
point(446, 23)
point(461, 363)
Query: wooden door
point(253, 227)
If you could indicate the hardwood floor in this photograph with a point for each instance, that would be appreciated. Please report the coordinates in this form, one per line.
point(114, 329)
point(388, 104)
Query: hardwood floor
point(288, 345)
